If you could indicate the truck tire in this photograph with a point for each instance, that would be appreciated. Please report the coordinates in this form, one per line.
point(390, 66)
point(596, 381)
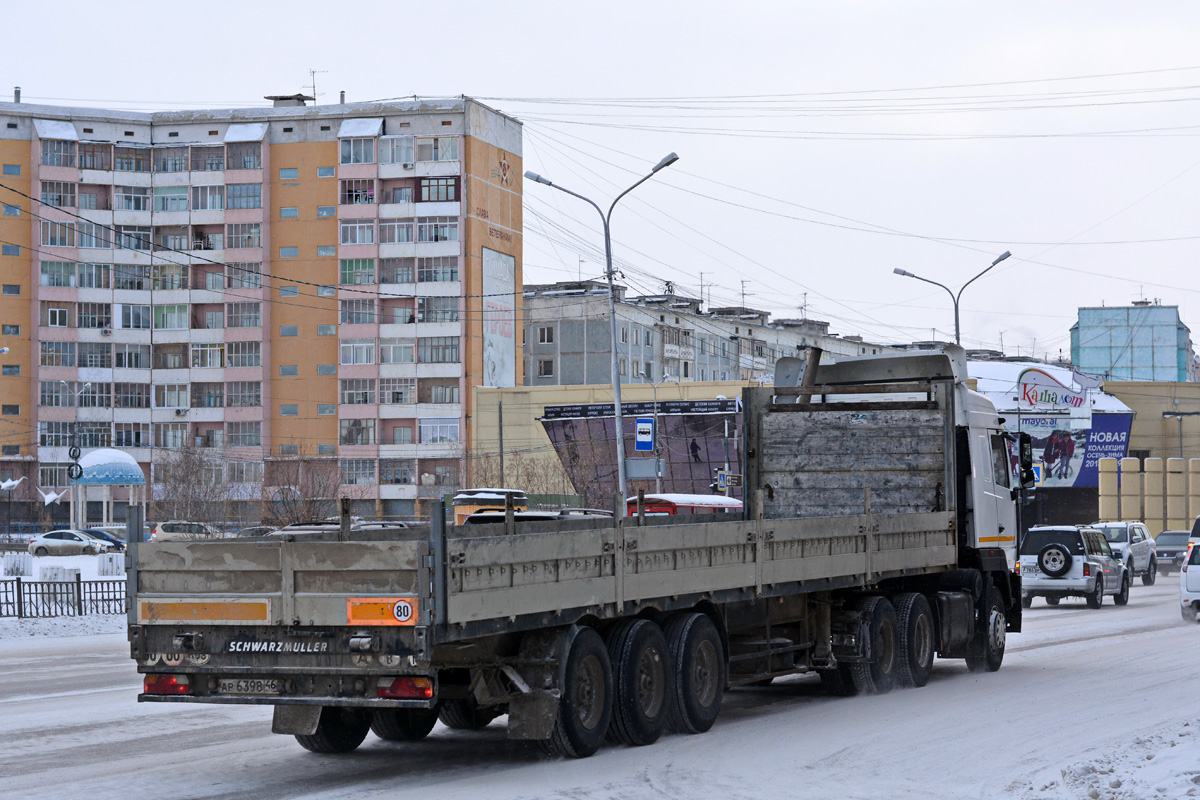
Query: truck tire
point(993, 623)
point(1053, 599)
point(642, 678)
point(403, 724)
point(839, 682)
point(340, 730)
point(465, 715)
point(916, 639)
point(1054, 560)
point(585, 710)
point(1151, 573)
point(698, 663)
point(878, 675)
point(1121, 598)
point(1096, 598)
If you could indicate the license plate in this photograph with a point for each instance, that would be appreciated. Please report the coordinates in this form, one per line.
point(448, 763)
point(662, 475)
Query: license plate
point(1031, 569)
point(248, 686)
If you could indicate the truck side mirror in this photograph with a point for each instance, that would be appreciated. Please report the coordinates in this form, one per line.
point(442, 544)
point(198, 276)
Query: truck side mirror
point(1025, 457)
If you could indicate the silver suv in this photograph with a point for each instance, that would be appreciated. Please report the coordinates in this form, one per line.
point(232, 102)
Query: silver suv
point(1068, 561)
point(1133, 543)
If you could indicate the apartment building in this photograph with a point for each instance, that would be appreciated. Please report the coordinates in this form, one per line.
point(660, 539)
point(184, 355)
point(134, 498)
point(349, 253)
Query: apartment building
point(316, 287)
point(1145, 341)
point(568, 338)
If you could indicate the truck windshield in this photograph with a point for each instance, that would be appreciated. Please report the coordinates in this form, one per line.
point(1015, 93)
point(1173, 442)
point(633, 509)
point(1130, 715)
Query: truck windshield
point(1036, 540)
point(1114, 533)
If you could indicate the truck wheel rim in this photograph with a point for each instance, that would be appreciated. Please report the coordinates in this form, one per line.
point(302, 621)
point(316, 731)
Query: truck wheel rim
point(704, 674)
point(651, 677)
point(589, 692)
point(923, 640)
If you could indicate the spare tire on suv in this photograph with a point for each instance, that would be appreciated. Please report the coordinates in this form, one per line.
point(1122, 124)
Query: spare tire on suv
point(1054, 560)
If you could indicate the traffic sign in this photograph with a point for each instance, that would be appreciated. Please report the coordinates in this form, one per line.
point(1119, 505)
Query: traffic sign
point(733, 480)
point(1037, 473)
point(722, 480)
point(643, 434)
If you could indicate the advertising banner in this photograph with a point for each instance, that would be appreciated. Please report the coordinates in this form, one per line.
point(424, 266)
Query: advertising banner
point(1070, 454)
point(499, 319)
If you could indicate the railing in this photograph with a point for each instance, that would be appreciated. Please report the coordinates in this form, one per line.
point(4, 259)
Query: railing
point(27, 599)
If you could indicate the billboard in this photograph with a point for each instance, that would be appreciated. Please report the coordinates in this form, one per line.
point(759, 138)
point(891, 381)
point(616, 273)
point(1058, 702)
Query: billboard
point(499, 319)
point(1069, 453)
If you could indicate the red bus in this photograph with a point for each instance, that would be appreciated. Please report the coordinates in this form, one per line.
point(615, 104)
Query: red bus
point(660, 504)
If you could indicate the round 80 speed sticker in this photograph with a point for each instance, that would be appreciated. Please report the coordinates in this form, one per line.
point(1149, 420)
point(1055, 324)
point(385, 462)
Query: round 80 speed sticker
point(403, 611)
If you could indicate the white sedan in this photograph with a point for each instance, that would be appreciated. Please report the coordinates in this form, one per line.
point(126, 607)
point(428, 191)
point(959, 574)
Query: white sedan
point(66, 543)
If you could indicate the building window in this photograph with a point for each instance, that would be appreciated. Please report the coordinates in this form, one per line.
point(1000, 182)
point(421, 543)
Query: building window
point(545, 368)
point(55, 153)
point(131, 198)
point(12, 211)
point(289, 252)
point(10, 370)
point(621, 367)
point(131, 237)
point(396, 351)
point(208, 198)
point(245, 155)
point(289, 410)
point(439, 190)
point(396, 150)
point(358, 231)
point(289, 330)
point(58, 273)
point(357, 312)
point(546, 335)
point(326, 330)
point(326, 250)
point(437, 229)
point(326, 369)
point(397, 391)
point(356, 192)
point(170, 159)
point(437, 309)
point(131, 434)
point(10, 330)
point(244, 434)
point(289, 370)
point(243, 394)
point(358, 151)
point(171, 395)
point(208, 356)
point(57, 317)
point(437, 350)
point(434, 430)
point(10, 410)
point(132, 356)
point(288, 173)
point(326, 211)
point(441, 148)
point(357, 271)
point(289, 291)
point(243, 354)
point(245, 234)
point(289, 449)
point(95, 354)
point(131, 159)
point(57, 354)
point(357, 392)
point(326, 172)
point(54, 193)
point(395, 231)
point(326, 410)
point(357, 351)
point(12, 169)
point(10, 249)
point(443, 393)
point(357, 471)
point(289, 212)
point(243, 195)
point(59, 234)
point(95, 315)
point(171, 317)
point(243, 315)
point(243, 275)
point(397, 470)
point(396, 270)
point(356, 431)
point(244, 471)
point(93, 236)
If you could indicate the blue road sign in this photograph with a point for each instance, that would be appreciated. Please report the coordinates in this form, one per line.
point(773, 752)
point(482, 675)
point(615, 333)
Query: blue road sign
point(643, 434)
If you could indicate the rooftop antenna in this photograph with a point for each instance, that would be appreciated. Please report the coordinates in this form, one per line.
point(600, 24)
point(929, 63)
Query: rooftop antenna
point(312, 74)
point(1001, 342)
point(744, 295)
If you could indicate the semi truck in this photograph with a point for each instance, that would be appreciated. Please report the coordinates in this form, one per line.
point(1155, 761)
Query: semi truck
point(879, 531)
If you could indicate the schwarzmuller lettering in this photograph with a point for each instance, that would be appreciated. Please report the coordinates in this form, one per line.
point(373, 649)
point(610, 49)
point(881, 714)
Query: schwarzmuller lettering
point(278, 647)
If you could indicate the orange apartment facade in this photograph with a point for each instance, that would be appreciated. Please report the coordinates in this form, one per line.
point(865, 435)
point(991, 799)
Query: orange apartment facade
point(274, 286)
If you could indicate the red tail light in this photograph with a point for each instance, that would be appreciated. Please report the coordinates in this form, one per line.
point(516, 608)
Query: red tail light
point(167, 684)
point(1087, 569)
point(405, 688)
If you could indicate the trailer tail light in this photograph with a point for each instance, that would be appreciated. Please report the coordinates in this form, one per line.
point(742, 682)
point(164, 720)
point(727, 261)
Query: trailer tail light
point(167, 684)
point(1017, 568)
point(1087, 569)
point(405, 688)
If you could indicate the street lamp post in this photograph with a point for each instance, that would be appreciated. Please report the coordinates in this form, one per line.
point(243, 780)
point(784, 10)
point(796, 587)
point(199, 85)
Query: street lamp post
point(955, 297)
point(666, 378)
point(74, 444)
point(667, 161)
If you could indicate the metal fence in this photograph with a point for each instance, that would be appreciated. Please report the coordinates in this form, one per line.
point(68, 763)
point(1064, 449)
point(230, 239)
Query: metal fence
point(27, 599)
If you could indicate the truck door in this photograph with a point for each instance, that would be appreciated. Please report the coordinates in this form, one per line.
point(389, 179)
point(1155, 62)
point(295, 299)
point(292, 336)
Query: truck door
point(999, 492)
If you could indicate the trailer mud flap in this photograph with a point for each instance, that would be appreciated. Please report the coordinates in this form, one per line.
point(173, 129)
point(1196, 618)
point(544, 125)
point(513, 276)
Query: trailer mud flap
point(296, 720)
point(532, 716)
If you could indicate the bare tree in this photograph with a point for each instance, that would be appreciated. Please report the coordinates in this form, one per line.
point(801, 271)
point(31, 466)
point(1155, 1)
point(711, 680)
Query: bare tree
point(304, 488)
point(189, 484)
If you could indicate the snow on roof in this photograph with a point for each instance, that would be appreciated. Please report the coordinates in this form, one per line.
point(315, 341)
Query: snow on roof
point(714, 500)
point(488, 495)
point(557, 292)
point(998, 380)
point(55, 129)
point(360, 127)
point(246, 132)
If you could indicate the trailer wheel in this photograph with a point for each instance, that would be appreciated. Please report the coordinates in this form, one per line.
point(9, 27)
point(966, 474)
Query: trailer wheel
point(642, 678)
point(839, 682)
point(878, 675)
point(915, 640)
point(698, 659)
point(340, 730)
point(465, 715)
point(403, 724)
point(585, 710)
point(993, 623)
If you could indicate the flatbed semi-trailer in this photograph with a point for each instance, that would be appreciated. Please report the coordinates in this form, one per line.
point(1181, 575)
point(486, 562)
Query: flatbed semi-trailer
point(879, 531)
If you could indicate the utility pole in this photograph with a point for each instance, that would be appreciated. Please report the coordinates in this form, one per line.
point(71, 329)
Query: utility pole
point(1179, 415)
point(500, 422)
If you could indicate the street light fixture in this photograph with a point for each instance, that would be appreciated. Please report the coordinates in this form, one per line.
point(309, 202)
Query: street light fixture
point(666, 161)
point(953, 296)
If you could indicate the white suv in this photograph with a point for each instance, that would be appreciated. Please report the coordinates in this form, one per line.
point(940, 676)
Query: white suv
point(176, 530)
point(1068, 561)
point(1189, 583)
point(1133, 543)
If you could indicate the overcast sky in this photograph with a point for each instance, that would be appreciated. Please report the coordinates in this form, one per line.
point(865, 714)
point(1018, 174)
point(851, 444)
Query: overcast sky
point(821, 144)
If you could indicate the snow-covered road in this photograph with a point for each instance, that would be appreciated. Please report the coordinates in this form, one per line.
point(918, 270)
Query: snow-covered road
point(1099, 704)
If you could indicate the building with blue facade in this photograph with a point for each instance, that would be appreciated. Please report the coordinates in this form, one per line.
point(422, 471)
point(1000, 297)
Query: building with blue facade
point(1141, 342)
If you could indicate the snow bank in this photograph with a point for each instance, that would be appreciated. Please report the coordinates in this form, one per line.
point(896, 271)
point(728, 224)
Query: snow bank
point(53, 627)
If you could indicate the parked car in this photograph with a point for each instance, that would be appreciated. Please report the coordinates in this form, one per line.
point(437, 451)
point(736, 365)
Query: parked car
point(115, 544)
point(1069, 561)
point(1171, 547)
point(1189, 583)
point(177, 530)
point(66, 543)
point(254, 532)
point(1135, 545)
